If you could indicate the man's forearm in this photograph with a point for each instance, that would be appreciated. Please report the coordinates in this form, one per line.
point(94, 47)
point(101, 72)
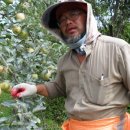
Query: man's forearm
point(41, 90)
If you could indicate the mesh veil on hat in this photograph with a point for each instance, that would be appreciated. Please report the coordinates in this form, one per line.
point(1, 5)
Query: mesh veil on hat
point(49, 16)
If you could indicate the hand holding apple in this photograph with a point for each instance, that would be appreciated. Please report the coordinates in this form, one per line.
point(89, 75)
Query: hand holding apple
point(23, 89)
point(16, 92)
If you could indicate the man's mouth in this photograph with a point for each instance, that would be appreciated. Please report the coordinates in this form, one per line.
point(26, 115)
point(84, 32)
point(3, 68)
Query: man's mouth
point(71, 30)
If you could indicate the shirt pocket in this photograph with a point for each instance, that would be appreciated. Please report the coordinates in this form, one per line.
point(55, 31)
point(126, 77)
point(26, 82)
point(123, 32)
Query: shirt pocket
point(98, 91)
point(105, 93)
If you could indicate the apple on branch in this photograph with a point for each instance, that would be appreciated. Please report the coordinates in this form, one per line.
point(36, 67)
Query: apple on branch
point(20, 16)
point(5, 86)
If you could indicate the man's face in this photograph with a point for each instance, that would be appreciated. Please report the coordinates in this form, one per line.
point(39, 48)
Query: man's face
point(72, 24)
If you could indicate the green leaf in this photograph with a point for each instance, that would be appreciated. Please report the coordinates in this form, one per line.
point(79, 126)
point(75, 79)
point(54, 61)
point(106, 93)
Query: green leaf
point(3, 119)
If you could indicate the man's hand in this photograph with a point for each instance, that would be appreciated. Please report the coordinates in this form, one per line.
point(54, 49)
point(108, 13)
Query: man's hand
point(23, 89)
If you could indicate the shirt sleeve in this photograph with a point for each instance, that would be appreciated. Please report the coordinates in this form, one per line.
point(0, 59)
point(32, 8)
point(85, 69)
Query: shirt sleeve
point(124, 64)
point(57, 87)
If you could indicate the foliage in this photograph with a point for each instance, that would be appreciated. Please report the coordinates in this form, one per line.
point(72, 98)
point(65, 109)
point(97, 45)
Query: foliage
point(113, 17)
point(27, 53)
point(57, 113)
point(7, 113)
point(4, 110)
point(18, 51)
point(22, 116)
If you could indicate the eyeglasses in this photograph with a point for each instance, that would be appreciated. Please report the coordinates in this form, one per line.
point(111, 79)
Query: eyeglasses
point(71, 15)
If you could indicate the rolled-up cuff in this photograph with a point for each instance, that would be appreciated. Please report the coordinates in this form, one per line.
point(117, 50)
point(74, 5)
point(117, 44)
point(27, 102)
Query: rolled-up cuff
point(52, 91)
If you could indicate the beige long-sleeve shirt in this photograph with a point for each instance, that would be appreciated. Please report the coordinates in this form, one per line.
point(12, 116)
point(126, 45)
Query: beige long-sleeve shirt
point(99, 86)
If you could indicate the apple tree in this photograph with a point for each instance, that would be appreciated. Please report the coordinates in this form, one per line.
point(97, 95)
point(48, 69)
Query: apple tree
point(28, 53)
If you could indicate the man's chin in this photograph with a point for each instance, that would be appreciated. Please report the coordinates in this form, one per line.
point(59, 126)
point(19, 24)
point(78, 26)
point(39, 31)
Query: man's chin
point(73, 39)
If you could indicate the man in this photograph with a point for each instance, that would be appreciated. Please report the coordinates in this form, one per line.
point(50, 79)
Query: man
point(93, 75)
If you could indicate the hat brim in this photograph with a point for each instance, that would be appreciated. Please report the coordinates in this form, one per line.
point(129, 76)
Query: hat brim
point(49, 16)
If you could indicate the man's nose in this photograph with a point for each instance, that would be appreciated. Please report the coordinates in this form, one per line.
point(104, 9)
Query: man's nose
point(68, 20)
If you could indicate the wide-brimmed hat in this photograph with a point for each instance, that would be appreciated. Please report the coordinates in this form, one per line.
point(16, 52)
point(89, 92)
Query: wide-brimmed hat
point(49, 19)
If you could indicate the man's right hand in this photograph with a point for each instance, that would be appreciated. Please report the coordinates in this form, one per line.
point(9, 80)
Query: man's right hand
point(23, 89)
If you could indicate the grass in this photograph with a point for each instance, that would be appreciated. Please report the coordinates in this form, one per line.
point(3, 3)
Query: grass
point(6, 112)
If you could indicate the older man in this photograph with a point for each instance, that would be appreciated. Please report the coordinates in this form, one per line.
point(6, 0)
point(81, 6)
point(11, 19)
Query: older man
point(93, 75)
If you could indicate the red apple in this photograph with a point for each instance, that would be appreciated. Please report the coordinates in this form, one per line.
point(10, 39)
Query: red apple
point(16, 91)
